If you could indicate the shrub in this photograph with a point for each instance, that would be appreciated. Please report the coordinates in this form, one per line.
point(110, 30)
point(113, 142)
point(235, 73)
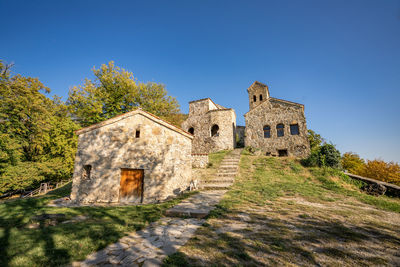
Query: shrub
point(325, 156)
point(329, 156)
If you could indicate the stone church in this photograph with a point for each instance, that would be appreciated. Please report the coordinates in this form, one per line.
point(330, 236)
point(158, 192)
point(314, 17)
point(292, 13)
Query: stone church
point(277, 127)
point(135, 157)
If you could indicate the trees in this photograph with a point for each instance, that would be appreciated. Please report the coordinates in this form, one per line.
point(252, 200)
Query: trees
point(352, 162)
point(116, 91)
point(37, 139)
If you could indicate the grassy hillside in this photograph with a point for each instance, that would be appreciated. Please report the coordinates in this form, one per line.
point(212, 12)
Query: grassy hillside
point(280, 213)
point(52, 245)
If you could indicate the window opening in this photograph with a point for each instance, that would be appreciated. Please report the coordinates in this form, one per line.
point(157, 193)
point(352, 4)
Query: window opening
point(191, 130)
point(86, 171)
point(137, 135)
point(254, 98)
point(282, 153)
point(260, 97)
point(267, 131)
point(280, 130)
point(214, 130)
point(294, 129)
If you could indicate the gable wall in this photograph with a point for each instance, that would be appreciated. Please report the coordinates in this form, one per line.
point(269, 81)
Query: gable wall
point(164, 154)
point(272, 113)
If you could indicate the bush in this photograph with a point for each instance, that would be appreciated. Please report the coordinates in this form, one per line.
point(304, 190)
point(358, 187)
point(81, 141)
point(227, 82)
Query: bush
point(325, 156)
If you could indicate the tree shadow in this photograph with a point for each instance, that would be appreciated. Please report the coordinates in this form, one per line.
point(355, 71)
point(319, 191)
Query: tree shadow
point(296, 240)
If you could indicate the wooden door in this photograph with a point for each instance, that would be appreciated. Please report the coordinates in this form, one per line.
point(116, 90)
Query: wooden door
point(131, 186)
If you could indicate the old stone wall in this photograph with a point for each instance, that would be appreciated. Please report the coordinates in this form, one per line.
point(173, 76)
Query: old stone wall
point(199, 160)
point(163, 154)
point(273, 112)
point(201, 122)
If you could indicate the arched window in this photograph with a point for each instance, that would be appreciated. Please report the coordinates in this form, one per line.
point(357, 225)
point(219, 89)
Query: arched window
point(294, 129)
point(191, 130)
point(260, 97)
point(214, 130)
point(254, 98)
point(280, 130)
point(267, 131)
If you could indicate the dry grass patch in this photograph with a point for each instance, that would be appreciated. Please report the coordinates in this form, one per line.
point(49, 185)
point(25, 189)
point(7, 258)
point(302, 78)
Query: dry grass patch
point(279, 213)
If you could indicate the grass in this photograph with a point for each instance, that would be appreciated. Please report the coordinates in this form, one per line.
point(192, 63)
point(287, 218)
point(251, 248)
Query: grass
point(64, 243)
point(280, 213)
point(214, 160)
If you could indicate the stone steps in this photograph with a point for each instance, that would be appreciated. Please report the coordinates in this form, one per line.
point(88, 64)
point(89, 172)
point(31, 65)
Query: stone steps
point(216, 186)
point(226, 173)
point(217, 180)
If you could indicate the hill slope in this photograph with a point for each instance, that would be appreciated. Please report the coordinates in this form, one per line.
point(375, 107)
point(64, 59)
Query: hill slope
point(280, 213)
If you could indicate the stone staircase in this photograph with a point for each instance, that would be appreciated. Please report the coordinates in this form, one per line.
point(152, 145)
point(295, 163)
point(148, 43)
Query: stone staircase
point(226, 173)
point(199, 205)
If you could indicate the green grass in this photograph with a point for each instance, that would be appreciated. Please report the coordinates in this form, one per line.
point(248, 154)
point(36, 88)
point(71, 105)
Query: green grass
point(64, 243)
point(295, 216)
point(215, 159)
point(275, 177)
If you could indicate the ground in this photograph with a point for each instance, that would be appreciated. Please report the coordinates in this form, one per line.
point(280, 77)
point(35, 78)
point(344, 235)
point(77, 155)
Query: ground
point(279, 213)
point(26, 241)
point(276, 213)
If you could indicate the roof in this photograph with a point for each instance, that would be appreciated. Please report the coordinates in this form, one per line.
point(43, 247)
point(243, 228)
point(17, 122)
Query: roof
point(203, 100)
point(278, 100)
point(257, 83)
point(132, 113)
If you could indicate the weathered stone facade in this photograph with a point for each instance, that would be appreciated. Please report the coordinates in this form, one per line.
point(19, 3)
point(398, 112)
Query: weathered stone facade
point(212, 125)
point(277, 127)
point(136, 140)
point(199, 160)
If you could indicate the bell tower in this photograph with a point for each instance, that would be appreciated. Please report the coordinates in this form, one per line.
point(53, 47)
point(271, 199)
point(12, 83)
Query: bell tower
point(258, 93)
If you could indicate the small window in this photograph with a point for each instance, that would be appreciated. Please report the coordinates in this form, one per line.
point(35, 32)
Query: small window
point(254, 98)
point(137, 135)
point(280, 130)
point(260, 97)
point(86, 172)
point(191, 130)
point(294, 129)
point(267, 131)
point(214, 130)
point(282, 153)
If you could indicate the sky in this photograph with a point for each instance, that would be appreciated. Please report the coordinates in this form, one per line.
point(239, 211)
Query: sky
point(341, 59)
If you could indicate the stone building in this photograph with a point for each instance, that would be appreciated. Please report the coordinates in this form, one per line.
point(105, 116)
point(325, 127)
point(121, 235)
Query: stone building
point(135, 157)
point(277, 127)
point(212, 125)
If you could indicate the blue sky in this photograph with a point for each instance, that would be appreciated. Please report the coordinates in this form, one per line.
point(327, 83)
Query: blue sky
point(341, 59)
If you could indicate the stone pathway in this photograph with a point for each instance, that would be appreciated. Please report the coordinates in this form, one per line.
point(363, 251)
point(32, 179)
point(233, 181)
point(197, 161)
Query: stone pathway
point(149, 247)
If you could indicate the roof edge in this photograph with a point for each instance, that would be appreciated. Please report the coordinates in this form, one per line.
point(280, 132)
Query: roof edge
point(131, 113)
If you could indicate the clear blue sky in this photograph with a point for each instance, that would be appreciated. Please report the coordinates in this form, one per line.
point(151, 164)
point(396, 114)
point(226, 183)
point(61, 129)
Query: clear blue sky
point(341, 59)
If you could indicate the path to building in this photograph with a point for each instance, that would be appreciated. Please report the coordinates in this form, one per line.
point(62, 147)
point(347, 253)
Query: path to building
point(148, 247)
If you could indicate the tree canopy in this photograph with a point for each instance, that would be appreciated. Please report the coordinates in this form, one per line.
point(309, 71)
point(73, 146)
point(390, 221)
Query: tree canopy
point(37, 139)
point(115, 91)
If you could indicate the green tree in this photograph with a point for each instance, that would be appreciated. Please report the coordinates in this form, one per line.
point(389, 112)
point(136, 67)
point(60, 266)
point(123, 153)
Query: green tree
point(352, 162)
point(115, 91)
point(37, 140)
point(315, 140)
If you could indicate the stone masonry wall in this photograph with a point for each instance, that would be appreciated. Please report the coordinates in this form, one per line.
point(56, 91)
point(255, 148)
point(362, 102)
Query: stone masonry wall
point(165, 156)
point(199, 160)
point(203, 114)
point(273, 112)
